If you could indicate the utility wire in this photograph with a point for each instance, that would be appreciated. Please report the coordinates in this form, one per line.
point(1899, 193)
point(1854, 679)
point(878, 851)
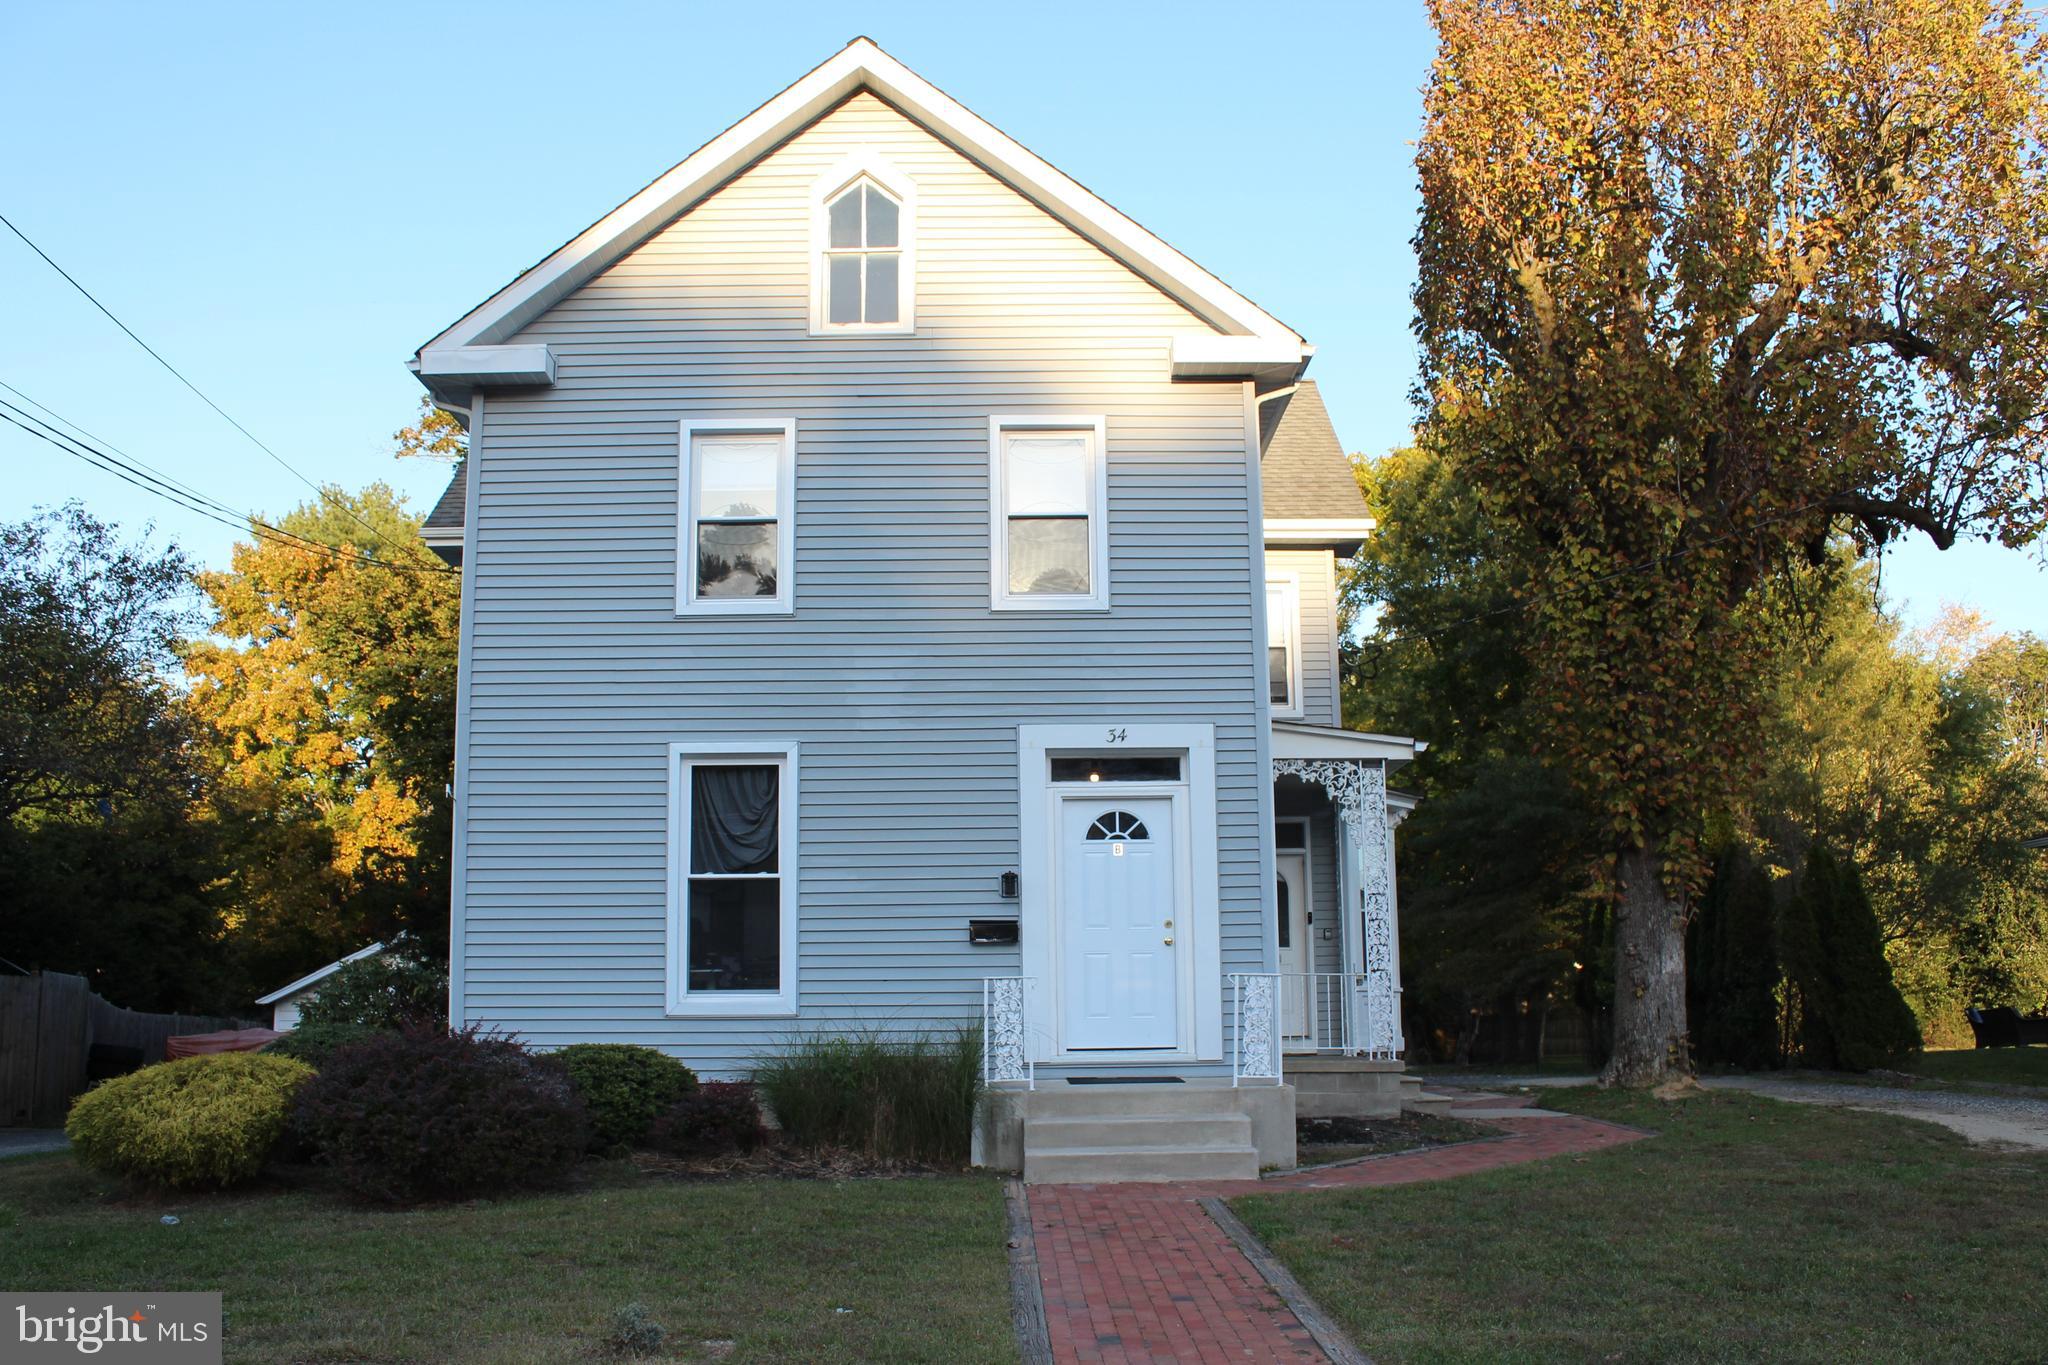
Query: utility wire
point(180, 377)
point(134, 471)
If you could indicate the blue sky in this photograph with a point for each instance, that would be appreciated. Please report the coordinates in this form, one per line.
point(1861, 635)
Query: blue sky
point(284, 201)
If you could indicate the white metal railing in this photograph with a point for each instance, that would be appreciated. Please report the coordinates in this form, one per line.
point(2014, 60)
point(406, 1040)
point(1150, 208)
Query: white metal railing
point(1255, 1027)
point(1005, 1054)
point(1339, 1012)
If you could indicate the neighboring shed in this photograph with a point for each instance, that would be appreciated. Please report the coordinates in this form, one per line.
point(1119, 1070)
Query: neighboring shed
point(286, 1001)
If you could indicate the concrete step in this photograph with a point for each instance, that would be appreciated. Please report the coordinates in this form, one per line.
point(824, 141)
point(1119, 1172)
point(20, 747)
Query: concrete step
point(1420, 1101)
point(1138, 1130)
point(1104, 1165)
point(1058, 1100)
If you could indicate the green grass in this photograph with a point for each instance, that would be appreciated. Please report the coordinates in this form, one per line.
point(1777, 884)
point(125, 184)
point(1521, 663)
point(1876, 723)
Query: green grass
point(1983, 1066)
point(1748, 1230)
point(764, 1265)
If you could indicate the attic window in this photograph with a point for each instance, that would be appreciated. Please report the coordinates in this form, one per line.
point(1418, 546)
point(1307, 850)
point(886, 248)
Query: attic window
point(863, 235)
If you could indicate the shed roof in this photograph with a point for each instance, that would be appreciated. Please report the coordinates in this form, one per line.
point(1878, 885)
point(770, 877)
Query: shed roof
point(314, 978)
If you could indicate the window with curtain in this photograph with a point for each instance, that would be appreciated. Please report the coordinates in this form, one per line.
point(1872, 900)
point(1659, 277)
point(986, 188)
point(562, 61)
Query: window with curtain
point(863, 257)
point(1283, 679)
point(736, 534)
point(1050, 543)
point(733, 915)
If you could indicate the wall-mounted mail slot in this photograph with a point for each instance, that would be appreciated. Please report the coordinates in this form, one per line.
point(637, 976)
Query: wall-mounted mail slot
point(991, 931)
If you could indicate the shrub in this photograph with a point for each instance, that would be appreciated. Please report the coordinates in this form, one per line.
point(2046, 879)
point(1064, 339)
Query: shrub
point(911, 1099)
point(314, 1043)
point(196, 1123)
point(634, 1333)
point(404, 1117)
point(715, 1118)
point(624, 1087)
point(1849, 1013)
point(394, 990)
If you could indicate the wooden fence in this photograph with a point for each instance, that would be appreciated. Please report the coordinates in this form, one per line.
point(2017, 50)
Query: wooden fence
point(49, 1022)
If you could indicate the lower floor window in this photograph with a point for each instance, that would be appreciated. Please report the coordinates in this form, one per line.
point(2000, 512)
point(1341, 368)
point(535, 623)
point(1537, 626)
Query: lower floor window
point(736, 919)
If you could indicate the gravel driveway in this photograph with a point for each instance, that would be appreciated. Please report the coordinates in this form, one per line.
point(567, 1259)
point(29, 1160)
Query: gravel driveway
point(2004, 1119)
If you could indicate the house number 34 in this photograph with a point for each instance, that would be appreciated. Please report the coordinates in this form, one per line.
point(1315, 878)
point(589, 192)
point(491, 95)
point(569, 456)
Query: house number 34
point(1119, 735)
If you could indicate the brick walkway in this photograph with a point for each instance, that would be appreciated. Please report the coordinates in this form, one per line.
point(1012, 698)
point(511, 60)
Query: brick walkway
point(1140, 1273)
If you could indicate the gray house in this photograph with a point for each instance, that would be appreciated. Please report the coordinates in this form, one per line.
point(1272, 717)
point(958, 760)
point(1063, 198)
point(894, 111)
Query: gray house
point(900, 592)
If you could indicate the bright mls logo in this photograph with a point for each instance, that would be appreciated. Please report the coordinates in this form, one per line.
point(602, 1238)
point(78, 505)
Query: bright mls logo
point(167, 1329)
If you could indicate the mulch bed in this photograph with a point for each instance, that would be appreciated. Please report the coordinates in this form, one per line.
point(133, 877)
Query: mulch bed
point(775, 1162)
point(1320, 1140)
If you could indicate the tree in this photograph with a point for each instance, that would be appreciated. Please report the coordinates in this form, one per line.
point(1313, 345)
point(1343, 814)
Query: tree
point(327, 696)
point(102, 867)
point(1848, 1014)
point(1698, 284)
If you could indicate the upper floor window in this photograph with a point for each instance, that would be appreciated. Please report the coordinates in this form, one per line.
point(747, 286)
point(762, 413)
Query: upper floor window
point(1048, 531)
point(865, 250)
point(735, 536)
point(1283, 644)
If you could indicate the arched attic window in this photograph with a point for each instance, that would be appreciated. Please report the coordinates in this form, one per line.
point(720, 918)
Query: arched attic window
point(864, 275)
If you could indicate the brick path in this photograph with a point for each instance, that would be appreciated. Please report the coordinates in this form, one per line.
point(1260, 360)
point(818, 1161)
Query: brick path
point(1140, 1273)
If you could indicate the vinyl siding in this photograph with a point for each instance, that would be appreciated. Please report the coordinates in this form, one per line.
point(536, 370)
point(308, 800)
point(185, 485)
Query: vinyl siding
point(1318, 573)
point(901, 686)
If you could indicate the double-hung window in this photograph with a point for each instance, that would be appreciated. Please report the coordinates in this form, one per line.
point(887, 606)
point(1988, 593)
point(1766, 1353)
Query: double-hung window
point(736, 534)
point(864, 225)
point(1283, 644)
point(732, 884)
point(1048, 513)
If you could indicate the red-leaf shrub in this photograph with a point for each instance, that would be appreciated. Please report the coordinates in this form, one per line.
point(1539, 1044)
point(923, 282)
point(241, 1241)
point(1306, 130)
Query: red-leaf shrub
point(717, 1117)
point(424, 1115)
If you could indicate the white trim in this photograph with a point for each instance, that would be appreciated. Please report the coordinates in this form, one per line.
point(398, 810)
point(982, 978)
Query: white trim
point(1000, 598)
point(1262, 710)
point(1202, 1022)
point(1294, 739)
point(1268, 359)
point(492, 366)
point(329, 970)
point(682, 1002)
point(687, 601)
point(869, 165)
point(1289, 583)
point(1344, 534)
point(860, 64)
point(465, 650)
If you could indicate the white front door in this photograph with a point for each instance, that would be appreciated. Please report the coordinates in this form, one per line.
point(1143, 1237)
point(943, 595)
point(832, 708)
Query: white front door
point(1297, 958)
point(1118, 894)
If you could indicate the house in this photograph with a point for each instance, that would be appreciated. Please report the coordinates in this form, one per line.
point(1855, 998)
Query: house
point(286, 1001)
point(899, 593)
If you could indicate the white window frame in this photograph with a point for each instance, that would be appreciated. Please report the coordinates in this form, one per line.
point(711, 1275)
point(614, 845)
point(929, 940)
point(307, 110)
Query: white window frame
point(1000, 596)
point(1288, 581)
point(683, 759)
point(901, 188)
point(687, 601)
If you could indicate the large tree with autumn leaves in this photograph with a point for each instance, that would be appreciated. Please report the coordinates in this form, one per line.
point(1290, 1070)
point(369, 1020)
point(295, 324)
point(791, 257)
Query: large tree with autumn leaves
point(1700, 284)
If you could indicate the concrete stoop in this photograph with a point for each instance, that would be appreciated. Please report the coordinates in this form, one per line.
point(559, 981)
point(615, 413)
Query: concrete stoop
point(1329, 1086)
point(1416, 1100)
point(1100, 1134)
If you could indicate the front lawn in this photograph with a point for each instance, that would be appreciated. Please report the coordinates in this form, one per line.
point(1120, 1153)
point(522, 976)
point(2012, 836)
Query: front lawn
point(909, 1270)
point(1983, 1066)
point(1749, 1229)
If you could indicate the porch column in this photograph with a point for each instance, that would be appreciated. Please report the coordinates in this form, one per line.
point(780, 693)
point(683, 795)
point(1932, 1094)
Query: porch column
point(1358, 788)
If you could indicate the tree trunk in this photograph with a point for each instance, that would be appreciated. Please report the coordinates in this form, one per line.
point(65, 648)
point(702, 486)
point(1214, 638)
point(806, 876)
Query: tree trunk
point(1650, 1042)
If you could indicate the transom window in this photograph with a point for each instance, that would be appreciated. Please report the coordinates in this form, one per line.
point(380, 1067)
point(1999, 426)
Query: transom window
point(1117, 768)
point(1048, 533)
point(733, 924)
point(863, 257)
point(735, 537)
point(1119, 825)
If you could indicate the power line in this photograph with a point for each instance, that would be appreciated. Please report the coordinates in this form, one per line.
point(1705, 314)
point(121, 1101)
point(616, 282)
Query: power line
point(135, 472)
point(180, 377)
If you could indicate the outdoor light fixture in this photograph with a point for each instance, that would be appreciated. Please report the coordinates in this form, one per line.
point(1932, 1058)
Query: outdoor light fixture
point(1009, 885)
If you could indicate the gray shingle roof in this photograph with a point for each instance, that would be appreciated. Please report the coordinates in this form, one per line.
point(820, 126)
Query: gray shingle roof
point(1302, 466)
point(448, 511)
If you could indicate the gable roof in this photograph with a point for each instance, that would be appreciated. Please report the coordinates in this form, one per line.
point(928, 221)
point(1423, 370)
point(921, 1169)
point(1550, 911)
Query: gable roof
point(1304, 474)
point(313, 978)
point(442, 530)
point(474, 352)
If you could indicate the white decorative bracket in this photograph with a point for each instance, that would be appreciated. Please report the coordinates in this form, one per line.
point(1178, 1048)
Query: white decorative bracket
point(1358, 788)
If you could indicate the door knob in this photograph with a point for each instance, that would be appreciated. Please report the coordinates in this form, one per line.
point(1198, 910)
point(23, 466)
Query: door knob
point(1168, 940)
